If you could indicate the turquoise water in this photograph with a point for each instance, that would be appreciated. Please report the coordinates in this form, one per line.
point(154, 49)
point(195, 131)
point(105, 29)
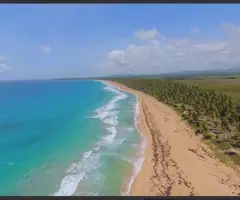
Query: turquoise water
point(67, 138)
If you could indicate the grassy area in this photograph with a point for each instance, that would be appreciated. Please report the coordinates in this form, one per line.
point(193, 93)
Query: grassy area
point(230, 87)
point(218, 149)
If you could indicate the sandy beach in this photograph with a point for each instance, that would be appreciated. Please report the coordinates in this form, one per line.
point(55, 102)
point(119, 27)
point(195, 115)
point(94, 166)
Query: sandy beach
point(176, 162)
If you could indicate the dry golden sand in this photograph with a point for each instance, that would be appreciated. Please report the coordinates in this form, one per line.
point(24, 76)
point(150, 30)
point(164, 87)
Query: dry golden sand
point(170, 167)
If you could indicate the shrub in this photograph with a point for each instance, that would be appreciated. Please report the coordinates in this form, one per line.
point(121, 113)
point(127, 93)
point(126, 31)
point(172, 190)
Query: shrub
point(235, 141)
point(207, 136)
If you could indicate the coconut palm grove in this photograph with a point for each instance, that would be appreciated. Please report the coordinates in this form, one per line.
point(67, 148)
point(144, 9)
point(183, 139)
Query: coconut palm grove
point(213, 115)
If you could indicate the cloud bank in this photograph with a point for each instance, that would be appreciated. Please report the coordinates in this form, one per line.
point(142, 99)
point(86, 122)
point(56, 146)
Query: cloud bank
point(159, 54)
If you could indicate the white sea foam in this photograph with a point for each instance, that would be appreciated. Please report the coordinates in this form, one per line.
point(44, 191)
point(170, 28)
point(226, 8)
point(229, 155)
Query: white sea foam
point(134, 145)
point(76, 173)
point(69, 185)
point(108, 113)
point(87, 154)
point(71, 168)
point(88, 165)
point(109, 109)
point(90, 117)
point(109, 138)
point(129, 129)
point(121, 140)
point(111, 121)
point(139, 159)
point(136, 114)
point(97, 148)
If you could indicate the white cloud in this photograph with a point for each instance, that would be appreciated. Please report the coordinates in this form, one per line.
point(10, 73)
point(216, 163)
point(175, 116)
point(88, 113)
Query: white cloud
point(4, 67)
point(160, 55)
point(194, 30)
point(179, 53)
point(146, 34)
point(3, 58)
point(180, 42)
point(226, 51)
point(231, 29)
point(206, 47)
point(45, 48)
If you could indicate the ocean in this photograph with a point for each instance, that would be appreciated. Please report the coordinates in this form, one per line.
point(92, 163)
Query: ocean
point(65, 138)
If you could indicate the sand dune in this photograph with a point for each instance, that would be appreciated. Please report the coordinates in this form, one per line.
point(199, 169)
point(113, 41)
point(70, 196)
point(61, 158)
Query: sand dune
point(176, 162)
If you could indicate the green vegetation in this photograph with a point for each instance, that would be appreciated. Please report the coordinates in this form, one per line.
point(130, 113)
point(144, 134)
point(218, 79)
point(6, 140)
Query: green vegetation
point(229, 85)
point(214, 115)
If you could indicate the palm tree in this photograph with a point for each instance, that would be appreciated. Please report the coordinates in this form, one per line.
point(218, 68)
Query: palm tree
point(195, 117)
point(183, 108)
point(215, 112)
point(238, 127)
point(225, 126)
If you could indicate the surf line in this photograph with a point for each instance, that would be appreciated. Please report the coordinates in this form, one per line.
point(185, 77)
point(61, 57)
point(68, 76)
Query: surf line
point(139, 157)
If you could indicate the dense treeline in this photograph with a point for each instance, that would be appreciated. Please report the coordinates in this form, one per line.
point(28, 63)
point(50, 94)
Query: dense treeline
point(214, 115)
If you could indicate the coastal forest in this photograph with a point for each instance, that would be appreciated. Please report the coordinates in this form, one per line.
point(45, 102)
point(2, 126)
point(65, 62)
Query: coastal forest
point(212, 114)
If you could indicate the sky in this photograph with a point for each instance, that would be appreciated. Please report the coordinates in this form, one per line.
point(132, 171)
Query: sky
point(81, 40)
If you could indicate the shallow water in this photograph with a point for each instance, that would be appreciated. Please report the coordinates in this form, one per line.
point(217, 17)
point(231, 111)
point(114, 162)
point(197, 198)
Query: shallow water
point(67, 138)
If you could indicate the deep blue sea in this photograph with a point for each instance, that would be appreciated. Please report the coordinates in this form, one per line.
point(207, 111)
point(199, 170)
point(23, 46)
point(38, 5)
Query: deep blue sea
point(63, 138)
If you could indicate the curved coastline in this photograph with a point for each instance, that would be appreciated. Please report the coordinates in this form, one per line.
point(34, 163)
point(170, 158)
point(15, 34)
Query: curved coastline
point(169, 167)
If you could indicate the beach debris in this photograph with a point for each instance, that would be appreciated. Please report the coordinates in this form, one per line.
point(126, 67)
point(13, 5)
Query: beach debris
point(230, 152)
point(166, 119)
point(192, 150)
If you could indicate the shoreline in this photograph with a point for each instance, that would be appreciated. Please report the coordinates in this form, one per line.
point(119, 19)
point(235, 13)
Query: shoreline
point(170, 168)
point(143, 144)
point(147, 140)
